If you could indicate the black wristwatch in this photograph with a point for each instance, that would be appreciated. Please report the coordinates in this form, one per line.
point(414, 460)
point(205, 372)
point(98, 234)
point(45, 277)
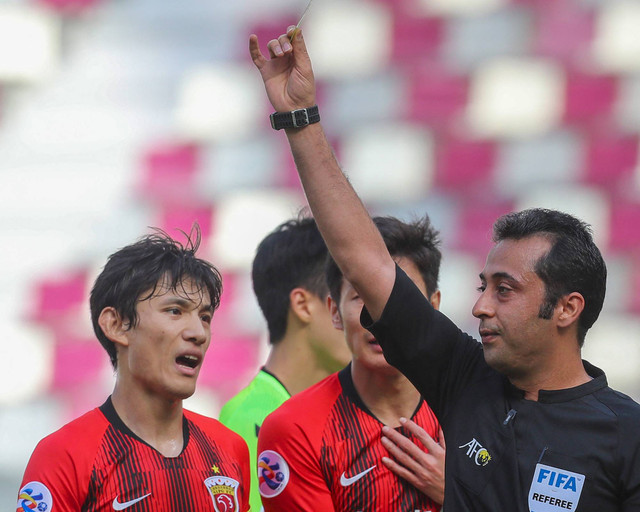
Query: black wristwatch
point(295, 119)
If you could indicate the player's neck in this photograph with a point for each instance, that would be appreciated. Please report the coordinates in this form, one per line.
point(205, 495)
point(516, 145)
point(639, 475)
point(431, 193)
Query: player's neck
point(294, 365)
point(387, 394)
point(153, 419)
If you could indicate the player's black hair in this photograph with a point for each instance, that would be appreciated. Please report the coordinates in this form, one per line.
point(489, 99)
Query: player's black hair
point(291, 256)
point(134, 273)
point(417, 241)
point(573, 264)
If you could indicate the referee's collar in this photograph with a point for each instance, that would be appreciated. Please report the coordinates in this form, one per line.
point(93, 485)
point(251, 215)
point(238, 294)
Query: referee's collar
point(598, 381)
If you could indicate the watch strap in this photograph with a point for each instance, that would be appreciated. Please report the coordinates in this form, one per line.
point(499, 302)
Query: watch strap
point(298, 118)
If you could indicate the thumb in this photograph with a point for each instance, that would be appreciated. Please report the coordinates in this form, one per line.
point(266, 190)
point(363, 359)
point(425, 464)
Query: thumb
point(299, 47)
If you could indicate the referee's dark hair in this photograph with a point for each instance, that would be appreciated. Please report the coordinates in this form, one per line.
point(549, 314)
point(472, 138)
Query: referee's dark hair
point(291, 256)
point(417, 241)
point(573, 264)
point(134, 273)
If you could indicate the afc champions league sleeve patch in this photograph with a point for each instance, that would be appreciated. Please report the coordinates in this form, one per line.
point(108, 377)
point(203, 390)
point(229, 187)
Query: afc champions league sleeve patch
point(273, 473)
point(34, 497)
point(555, 489)
point(224, 493)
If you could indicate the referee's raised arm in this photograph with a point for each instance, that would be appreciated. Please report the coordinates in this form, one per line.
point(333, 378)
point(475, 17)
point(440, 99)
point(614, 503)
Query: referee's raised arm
point(352, 238)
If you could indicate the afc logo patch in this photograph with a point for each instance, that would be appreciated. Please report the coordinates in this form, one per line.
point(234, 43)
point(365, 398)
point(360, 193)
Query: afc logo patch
point(34, 497)
point(273, 473)
point(476, 452)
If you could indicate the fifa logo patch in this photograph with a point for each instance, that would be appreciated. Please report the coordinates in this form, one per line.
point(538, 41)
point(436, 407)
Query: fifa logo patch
point(554, 489)
point(478, 453)
point(273, 473)
point(224, 493)
point(34, 497)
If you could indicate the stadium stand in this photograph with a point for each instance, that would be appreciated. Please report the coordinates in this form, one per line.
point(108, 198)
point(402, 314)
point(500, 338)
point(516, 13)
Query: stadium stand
point(116, 116)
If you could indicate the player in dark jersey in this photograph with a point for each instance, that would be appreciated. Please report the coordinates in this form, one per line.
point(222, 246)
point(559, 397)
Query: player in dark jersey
point(530, 426)
point(323, 449)
point(151, 308)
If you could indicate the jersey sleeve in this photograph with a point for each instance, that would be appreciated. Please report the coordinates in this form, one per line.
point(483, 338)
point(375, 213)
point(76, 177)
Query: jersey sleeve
point(51, 480)
point(289, 475)
point(57, 475)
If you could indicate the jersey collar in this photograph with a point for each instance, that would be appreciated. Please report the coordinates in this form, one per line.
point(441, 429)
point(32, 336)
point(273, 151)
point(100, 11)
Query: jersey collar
point(110, 413)
point(598, 381)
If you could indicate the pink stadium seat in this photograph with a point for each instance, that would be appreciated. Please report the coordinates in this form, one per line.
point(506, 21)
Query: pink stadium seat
point(77, 362)
point(416, 39)
point(611, 159)
point(69, 6)
point(59, 296)
point(624, 230)
point(564, 30)
point(168, 172)
point(436, 96)
point(589, 98)
point(463, 163)
point(176, 217)
point(475, 227)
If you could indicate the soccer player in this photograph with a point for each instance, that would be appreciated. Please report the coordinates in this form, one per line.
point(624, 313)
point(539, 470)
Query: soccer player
point(151, 308)
point(529, 425)
point(288, 281)
point(323, 449)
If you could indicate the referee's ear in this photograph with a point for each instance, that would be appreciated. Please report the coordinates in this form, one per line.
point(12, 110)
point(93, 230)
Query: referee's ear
point(113, 326)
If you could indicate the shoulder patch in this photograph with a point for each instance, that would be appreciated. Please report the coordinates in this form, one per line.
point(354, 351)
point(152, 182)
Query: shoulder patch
point(34, 497)
point(273, 473)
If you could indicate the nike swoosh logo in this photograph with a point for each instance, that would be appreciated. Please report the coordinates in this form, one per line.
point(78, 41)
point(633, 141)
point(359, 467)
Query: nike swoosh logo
point(345, 482)
point(127, 504)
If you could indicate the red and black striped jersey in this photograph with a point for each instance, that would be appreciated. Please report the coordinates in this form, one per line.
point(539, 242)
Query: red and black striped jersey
point(96, 464)
point(322, 450)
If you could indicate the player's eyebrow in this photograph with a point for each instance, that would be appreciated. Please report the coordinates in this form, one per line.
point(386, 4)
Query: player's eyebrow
point(185, 303)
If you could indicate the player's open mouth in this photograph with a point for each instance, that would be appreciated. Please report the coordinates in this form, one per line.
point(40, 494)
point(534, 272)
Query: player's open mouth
point(188, 360)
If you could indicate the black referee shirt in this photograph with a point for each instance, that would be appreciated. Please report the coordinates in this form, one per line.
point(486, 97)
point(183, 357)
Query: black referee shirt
point(576, 449)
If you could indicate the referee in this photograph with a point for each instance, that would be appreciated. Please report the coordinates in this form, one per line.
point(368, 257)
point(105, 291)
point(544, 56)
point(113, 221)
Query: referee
point(529, 425)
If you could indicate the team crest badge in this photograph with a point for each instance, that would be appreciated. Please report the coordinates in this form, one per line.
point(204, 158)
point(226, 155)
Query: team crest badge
point(34, 497)
point(224, 493)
